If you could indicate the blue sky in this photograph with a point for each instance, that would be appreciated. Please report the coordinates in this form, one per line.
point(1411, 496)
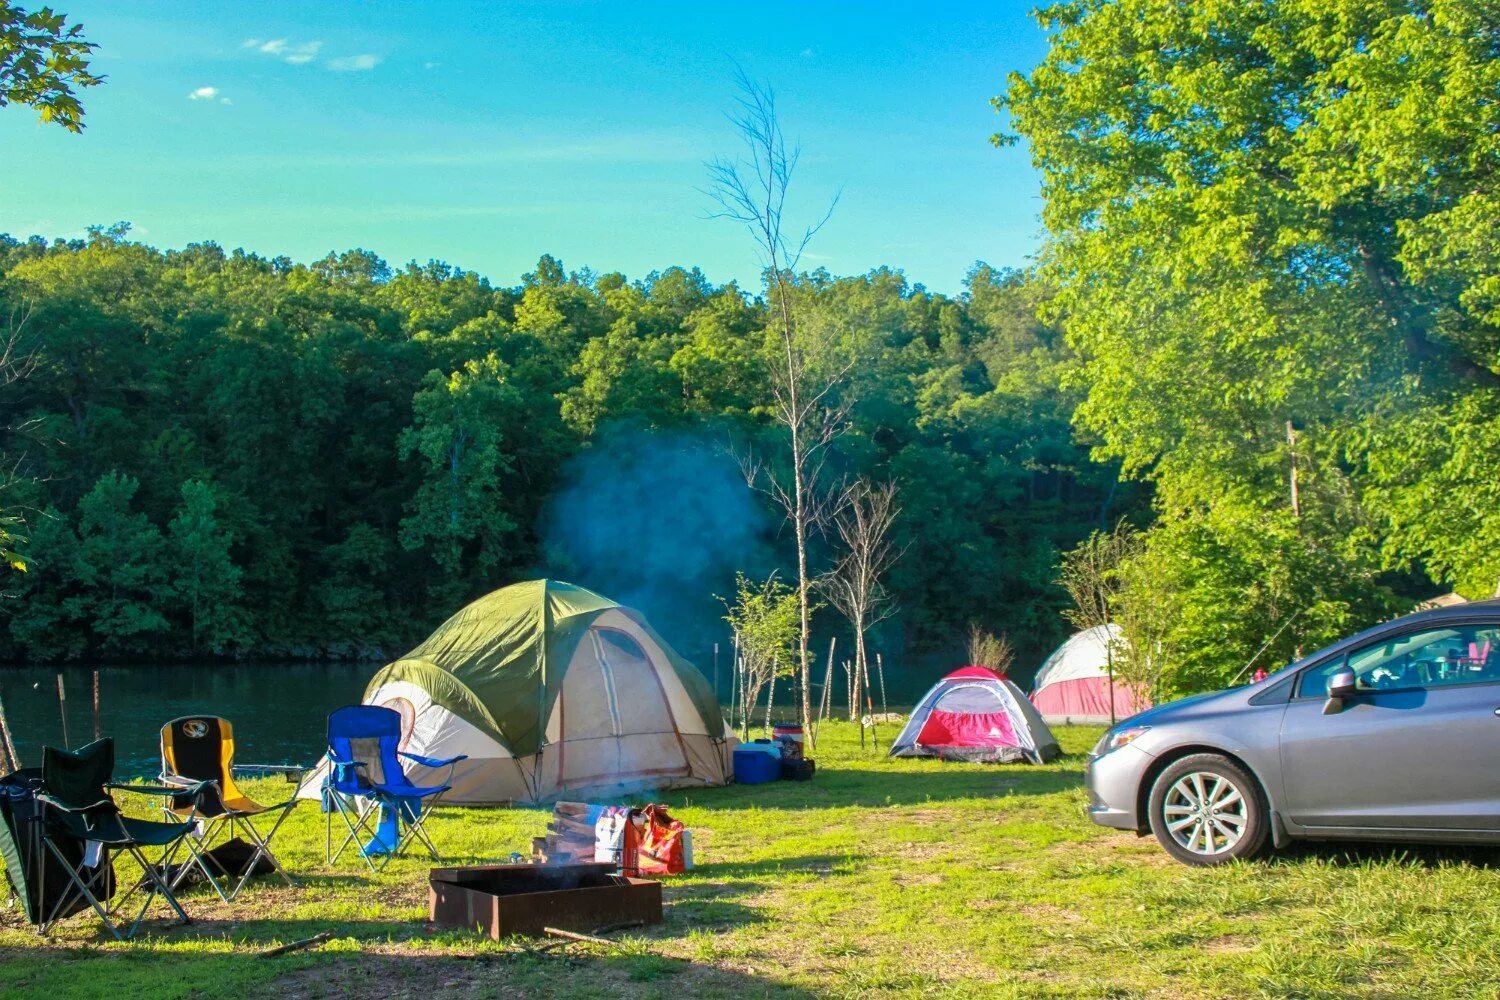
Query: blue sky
point(486, 134)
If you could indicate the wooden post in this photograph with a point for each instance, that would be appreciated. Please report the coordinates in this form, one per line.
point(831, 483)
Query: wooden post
point(869, 704)
point(10, 747)
point(98, 731)
point(62, 708)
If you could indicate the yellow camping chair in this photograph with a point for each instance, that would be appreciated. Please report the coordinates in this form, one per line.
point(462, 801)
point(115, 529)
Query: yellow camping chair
point(198, 751)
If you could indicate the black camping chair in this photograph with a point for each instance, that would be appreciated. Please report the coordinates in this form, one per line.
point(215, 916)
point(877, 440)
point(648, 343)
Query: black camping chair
point(38, 881)
point(81, 824)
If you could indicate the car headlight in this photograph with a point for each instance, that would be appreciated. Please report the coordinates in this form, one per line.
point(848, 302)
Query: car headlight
point(1117, 738)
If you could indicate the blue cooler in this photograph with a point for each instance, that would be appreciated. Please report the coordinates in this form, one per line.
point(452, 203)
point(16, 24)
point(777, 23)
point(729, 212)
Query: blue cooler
point(755, 765)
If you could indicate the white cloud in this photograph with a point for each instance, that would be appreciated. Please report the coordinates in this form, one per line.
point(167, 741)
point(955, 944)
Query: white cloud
point(346, 63)
point(205, 94)
point(431, 65)
point(296, 53)
point(225, 100)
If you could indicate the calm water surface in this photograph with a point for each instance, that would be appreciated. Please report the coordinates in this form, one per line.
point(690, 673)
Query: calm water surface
point(279, 710)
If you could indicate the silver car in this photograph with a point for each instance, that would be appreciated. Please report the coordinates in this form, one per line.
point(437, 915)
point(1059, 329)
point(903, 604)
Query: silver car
point(1392, 734)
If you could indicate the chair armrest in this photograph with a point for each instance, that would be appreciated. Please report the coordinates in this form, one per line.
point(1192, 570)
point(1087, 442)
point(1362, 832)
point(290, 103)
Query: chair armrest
point(59, 804)
point(188, 789)
point(334, 758)
point(432, 761)
point(176, 781)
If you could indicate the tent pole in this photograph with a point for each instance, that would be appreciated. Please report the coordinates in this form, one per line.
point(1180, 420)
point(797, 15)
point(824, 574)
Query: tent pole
point(880, 670)
point(870, 704)
point(97, 731)
point(716, 672)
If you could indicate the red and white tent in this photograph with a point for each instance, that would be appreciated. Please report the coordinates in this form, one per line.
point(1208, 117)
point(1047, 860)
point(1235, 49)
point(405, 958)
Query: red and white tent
point(1073, 684)
point(975, 714)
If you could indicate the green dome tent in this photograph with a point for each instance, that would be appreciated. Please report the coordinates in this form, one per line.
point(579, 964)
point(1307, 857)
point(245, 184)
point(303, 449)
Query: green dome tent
point(551, 689)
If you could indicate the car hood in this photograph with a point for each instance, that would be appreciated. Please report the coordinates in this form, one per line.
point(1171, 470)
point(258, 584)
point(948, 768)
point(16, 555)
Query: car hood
point(1187, 706)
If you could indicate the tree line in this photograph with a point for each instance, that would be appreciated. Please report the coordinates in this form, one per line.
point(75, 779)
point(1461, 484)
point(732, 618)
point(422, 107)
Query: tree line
point(218, 453)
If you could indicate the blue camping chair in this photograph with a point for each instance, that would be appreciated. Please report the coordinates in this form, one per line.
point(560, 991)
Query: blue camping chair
point(366, 786)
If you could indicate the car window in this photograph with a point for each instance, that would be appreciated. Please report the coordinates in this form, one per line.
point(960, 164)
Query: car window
point(1407, 661)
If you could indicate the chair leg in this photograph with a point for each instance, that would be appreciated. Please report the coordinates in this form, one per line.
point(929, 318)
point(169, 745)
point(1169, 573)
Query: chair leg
point(358, 826)
point(262, 847)
point(158, 887)
point(80, 887)
point(198, 856)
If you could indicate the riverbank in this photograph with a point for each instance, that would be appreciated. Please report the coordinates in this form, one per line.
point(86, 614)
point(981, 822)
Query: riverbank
point(878, 878)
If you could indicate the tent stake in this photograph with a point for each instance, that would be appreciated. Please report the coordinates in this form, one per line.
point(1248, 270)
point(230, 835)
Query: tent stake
point(62, 709)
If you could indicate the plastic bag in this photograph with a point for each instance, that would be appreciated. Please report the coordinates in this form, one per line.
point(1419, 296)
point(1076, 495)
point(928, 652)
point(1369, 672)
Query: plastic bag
point(661, 849)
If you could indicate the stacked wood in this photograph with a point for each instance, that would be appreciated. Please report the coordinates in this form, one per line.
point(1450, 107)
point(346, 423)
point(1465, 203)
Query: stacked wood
point(569, 839)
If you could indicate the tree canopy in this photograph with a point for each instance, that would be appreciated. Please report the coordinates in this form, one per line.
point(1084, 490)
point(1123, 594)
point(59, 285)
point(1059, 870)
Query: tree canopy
point(1272, 242)
point(226, 454)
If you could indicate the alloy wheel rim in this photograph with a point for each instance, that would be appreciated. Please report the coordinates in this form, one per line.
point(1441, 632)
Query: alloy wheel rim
point(1205, 813)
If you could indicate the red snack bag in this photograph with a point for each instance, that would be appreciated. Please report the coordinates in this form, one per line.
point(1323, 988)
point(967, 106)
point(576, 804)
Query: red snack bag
point(661, 843)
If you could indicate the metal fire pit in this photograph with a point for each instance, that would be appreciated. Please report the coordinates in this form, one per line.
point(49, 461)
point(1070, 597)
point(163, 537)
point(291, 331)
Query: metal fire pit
point(501, 900)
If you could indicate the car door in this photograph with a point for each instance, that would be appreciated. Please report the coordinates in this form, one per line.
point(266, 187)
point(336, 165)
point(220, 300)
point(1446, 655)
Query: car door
point(1415, 748)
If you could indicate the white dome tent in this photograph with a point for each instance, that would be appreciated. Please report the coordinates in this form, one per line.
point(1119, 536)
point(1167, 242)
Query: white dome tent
point(1074, 686)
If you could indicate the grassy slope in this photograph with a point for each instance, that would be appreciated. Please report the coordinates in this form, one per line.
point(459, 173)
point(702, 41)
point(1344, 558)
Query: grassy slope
point(878, 877)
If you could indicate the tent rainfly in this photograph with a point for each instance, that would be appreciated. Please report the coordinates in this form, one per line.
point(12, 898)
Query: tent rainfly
point(1073, 684)
point(975, 714)
point(551, 689)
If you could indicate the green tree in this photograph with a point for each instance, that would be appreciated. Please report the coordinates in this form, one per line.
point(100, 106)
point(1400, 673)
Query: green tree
point(42, 60)
point(766, 618)
point(461, 423)
point(205, 579)
point(1234, 199)
point(120, 568)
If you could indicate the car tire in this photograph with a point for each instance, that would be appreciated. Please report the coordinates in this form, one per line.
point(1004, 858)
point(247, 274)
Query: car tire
point(1232, 825)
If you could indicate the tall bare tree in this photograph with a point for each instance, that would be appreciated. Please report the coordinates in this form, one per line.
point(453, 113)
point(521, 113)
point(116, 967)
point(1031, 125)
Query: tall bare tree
point(856, 584)
point(1091, 574)
point(806, 369)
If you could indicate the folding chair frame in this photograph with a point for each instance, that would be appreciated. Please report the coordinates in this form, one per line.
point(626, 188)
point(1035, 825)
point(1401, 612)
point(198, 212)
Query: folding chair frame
point(154, 875)
point(357, 816)
point(228, 823)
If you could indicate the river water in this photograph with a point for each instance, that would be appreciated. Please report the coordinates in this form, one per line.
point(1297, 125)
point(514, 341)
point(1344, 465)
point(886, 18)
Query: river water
point(279, 710)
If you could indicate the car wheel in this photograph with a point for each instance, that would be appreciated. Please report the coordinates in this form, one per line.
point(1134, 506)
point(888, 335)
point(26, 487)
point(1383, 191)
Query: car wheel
point(1206, 810)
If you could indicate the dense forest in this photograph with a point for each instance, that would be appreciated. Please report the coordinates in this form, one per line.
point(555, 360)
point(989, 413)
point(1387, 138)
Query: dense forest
point(1262, 335)
point(225, 454)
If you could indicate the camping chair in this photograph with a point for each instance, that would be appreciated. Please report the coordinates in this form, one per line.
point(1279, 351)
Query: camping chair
point(82, 824)
point(197, 752)
point(365, 780)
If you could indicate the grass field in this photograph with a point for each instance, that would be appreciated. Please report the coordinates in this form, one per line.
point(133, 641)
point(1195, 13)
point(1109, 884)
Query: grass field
point(879, 878)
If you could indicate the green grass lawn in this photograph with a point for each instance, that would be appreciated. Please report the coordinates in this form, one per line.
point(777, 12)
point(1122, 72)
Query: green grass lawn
point(877, 878)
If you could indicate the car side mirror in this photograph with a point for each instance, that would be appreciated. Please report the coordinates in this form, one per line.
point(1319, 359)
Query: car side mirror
point(1340, 686)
